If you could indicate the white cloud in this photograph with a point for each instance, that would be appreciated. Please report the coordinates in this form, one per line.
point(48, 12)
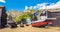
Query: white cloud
point(56, 5)
point(2, 1)
point(51, 6)
point(34, 7)
point(31, 7)
point(38, 6)
point(26, 7)
point(44, 5)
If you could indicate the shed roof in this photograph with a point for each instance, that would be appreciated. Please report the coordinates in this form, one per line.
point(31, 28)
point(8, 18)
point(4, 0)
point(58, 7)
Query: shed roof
point(1, 6)
point(54, 10)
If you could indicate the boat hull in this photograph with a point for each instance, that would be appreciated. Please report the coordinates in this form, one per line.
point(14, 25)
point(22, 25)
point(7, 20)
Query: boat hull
point(42, 23)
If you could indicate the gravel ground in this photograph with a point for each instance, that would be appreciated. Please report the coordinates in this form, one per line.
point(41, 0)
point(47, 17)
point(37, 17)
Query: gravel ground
point(31, 29)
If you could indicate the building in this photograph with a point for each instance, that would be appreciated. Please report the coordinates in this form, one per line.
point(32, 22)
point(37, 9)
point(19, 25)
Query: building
point(54, 14)
point(3, 16)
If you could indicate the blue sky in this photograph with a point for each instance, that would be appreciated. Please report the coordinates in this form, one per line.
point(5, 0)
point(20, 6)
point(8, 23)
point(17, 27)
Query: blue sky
point(21, 5)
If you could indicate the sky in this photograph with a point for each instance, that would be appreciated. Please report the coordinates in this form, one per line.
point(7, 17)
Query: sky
point(21, 5)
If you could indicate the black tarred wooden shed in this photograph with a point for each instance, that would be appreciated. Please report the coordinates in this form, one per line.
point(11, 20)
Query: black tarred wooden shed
point(54, 14)
point(3, 16)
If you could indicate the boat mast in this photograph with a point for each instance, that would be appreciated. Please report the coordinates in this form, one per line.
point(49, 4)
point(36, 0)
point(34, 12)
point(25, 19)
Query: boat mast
point(46, 11)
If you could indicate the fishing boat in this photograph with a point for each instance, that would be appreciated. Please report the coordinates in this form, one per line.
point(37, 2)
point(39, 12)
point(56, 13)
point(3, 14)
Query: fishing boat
point(43, 20)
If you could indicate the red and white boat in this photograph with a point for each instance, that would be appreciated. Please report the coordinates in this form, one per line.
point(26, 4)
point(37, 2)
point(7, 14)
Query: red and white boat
point(43, 22)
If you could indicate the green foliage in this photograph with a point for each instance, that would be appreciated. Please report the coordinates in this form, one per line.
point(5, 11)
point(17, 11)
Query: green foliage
point(20, 15)
point(18, 18)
